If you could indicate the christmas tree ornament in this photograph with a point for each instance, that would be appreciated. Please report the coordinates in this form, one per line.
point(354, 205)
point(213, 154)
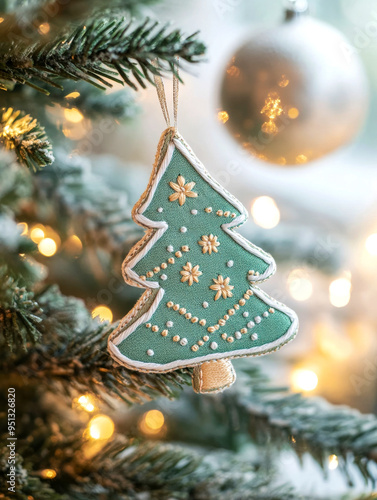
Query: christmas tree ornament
point(201, 306)
point(296, 92)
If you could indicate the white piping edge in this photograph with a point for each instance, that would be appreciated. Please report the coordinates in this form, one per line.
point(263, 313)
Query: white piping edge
point(157, 367)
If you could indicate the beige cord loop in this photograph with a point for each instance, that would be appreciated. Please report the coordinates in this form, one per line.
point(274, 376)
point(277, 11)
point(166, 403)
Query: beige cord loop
point(162, 96)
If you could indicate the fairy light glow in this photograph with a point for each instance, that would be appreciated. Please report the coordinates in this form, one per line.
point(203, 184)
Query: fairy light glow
point(73, 115)
point(301, 159)
point(48, 473)
point(47, 247)
point(371, 244)
point(103, 313)
point(340, 292)
point(333, 462)
point(85, 402)
point(44, 28)
point(272, 110)
point(152, 422)
point(293, 113)
point(265, 212)
point(299, 285)
point(73, 95)
point(101, 427)
point(304, 380)
point(222, 116)
point(37, 233)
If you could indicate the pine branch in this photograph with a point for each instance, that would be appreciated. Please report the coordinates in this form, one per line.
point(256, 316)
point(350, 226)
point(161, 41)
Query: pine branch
point(308, 425)
point(27, 138)
point(73, 354)
point(73, 196)
point(104, 50)
point(20, 315)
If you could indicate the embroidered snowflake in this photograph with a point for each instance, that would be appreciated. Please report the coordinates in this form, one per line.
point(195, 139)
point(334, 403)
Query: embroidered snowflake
point(190, 273)
point(222, 287)
point(209, 243)
point(182, 190)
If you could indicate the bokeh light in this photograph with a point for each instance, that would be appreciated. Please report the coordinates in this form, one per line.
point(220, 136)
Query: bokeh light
point(24, 228)
point(103, 313)
point(101, 427)
point(304, 380)
point(340, 292)
point(73, 115)
point(265, 212)
point(48, 473)
point(47, 247)
point(333, 462)
point(86, 402)
point(371, 244)
point(37, 233)
point(152, 422)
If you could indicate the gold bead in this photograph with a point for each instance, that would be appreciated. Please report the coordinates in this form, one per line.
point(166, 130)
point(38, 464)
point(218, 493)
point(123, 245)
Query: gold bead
point(185, 248)
point(205, 338)
point(236, 306)
point(148, 325)
point(219, 212)
point(164, 265)
point(202, 322)
point(271, 310)
point(194, 347)
point(231, 312)
point(178, 254)
point(176, 338)
point(188, 315)
point(182, 310)
point(210, 329)
point(149, 274)
point(216, 327)
point(246, 296)
point(200, 342)
point(156, 269)
point(243, 330)
point(170, 303)
point(242, 302)
point(227, 213)
point(251, 272)
point(208, 210)
point(171, 260)
point(176, 307)
point(154, 328)
point(164, 333)
point(224, 336)
point(222, 322)
point(230, 339)
point(194, 319)
point(233, 215)
point(226, 317)
point(249, 292)
point(143, 278)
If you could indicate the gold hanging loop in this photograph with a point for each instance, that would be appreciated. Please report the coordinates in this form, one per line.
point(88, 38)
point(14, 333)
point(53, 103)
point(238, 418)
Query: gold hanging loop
point(162, 95)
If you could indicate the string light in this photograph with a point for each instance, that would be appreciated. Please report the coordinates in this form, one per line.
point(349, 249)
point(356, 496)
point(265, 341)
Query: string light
point(44, 28)
point(73, 115)
point(284, 81)
point(272, 109)
point(293, 113)
point(304, 380)
point(371, 244)
point(47, 247)
point(72, 95)
point(24, 227)
point(299, 285)
point(37, 233)
point(103, 313)
point(333, 462)
point(222, 116)
point(152, 422)
point(48, 473)
point(85, 402)
point(265, 212)
point(101, 427)
point(340, 292)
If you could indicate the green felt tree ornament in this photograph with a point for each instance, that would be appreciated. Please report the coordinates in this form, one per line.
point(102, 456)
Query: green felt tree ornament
point(201, 306)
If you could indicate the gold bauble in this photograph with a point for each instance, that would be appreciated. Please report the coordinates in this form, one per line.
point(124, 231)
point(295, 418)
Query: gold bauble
point(294, 93)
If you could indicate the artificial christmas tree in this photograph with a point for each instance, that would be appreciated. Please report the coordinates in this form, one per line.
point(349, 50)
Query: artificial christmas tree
point(201, 304)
